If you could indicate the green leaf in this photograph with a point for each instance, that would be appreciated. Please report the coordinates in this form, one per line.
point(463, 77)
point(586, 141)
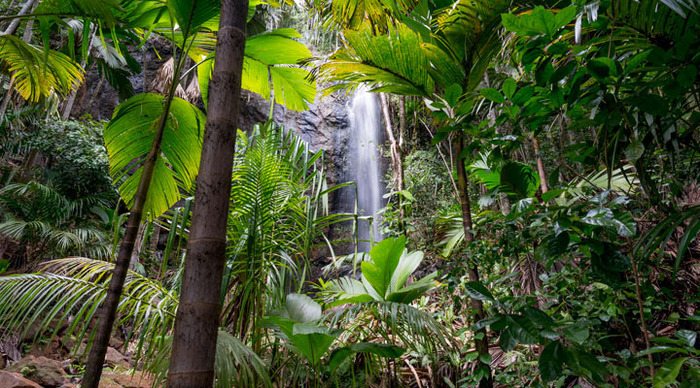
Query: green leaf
point(539, 21)
point(578, 332)
point(269, 62)
point(478, 291)
point(385, 258)
point(509, 87)
point(602, 67)
point(312, 346)
point(519, 180)
point(551, 361)
point(191, 14)
point(129, 137)
point(452, 94)
point(301, 308)
point(492, 94)
point(666, 375)
point(4, 265)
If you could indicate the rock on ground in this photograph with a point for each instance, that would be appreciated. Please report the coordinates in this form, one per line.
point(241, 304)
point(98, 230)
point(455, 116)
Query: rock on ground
point(15, 380)
point(41, 370)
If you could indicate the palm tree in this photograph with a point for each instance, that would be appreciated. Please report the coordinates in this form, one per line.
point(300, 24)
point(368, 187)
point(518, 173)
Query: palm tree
point(196, 326)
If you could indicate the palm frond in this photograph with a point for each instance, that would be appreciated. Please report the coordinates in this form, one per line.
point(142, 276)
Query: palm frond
point(128, 139)
point(38, 72)
point(398, 323)
point(395, 62)
point(70, 290)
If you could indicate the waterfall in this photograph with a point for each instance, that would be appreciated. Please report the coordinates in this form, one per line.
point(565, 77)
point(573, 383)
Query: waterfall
point(365, 125)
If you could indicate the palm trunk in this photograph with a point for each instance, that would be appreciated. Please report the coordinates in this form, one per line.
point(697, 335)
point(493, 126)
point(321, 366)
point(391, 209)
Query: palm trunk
point(108, 310)
point(197, 320)
point(482, 345)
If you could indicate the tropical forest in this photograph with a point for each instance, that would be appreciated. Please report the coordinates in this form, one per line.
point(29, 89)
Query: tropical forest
point(349, 193)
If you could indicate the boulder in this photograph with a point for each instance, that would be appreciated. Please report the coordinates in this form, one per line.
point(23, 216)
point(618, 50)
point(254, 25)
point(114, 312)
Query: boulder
point(15, 380)
point(41, 370)
point(114, 358)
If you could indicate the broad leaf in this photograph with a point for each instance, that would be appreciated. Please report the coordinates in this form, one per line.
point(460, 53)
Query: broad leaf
point(478, 291)
point(385, 258)
point(301, 308)
point(129, 137)
point(551, 361)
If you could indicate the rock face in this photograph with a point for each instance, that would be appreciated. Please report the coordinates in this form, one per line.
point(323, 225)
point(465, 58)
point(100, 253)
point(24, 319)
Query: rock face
point(15, 380)
point(41, 370)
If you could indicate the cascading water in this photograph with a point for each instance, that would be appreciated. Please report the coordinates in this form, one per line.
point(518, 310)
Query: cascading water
point(365, 124)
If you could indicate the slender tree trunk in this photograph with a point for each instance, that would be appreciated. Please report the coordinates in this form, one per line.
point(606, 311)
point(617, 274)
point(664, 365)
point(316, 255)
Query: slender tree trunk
point(540, 165)
point(26, 8)
point(197, 320)
point(396, 157)
point(482, 345)
point(108, 310)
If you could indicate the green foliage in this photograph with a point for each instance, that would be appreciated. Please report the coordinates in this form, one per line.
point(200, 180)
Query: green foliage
point(37, 72)
point(384, 276)
point(128, 138)
point(47, 223)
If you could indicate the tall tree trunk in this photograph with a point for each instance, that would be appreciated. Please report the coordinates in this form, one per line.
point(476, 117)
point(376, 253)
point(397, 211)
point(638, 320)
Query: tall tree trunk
point(108, 309)
point(197, 320)
point(482, 345)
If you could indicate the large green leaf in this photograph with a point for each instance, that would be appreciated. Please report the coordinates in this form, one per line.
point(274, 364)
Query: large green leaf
point(38, 72)
point(191, 14)
point(271, 65)
point(301, 308)
point(385, 258)
point(129, 136)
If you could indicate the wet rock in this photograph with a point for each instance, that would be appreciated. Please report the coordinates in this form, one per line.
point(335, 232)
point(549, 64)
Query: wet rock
point(15, 380)
point(41, 370)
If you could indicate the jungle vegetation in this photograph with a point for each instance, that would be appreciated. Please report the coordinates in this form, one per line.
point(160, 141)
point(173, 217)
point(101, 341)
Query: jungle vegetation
point(540, 228)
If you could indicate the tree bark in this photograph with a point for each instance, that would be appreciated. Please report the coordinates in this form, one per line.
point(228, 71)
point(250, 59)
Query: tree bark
point(108, 310)
point(482, 345)
point(197, 320)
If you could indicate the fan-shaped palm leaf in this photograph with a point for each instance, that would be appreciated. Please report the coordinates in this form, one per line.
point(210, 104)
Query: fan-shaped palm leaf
point(38, 72)
point(395, 62)
point(128, 139)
